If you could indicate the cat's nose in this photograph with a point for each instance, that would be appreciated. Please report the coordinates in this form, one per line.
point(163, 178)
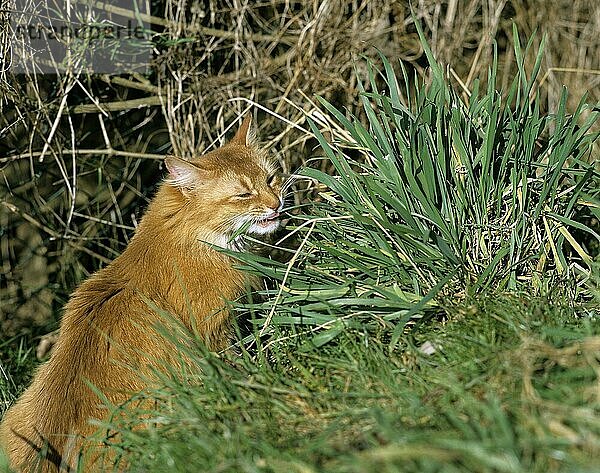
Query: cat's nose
point(274, 204)
point(273, 212)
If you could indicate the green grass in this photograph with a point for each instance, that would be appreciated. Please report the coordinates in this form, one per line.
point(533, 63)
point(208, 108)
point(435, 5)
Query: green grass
point(450, 225)
point(17, 361)
point(511, 387)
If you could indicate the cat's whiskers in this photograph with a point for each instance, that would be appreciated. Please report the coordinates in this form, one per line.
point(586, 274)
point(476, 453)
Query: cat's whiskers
point(289, 193)
point(289, 182)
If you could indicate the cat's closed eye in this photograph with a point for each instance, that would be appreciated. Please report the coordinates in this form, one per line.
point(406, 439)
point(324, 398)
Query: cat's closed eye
point(244, 195)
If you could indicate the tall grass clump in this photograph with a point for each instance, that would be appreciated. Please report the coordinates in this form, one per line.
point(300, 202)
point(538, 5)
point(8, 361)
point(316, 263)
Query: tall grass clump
point(434, 199)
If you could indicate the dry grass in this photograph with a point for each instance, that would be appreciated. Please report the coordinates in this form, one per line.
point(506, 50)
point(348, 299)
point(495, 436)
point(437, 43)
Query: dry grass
point(79, 155)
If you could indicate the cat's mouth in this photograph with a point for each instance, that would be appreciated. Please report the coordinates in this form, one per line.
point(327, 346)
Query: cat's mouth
point(270, 218)
point(266, 224)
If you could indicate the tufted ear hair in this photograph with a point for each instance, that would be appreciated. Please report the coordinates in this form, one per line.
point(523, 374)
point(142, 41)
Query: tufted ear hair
point(245, 134)
point(182, 173)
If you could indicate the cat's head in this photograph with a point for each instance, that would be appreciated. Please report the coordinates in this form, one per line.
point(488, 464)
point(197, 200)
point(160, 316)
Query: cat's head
point(231, 189)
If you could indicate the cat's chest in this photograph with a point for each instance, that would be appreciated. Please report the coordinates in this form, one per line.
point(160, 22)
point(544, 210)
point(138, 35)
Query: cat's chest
point(205, 281)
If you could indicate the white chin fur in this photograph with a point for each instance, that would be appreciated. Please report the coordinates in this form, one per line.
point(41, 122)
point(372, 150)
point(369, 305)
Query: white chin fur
point(263, 227)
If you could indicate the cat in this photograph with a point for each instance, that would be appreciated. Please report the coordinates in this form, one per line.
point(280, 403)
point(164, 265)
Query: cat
point(107, 334)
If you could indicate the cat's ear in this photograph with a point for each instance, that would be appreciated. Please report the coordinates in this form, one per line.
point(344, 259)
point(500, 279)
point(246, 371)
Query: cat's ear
point(245, 135)
point(183, 174)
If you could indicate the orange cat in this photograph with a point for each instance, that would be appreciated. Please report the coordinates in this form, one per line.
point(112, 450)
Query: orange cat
point(107, 335)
